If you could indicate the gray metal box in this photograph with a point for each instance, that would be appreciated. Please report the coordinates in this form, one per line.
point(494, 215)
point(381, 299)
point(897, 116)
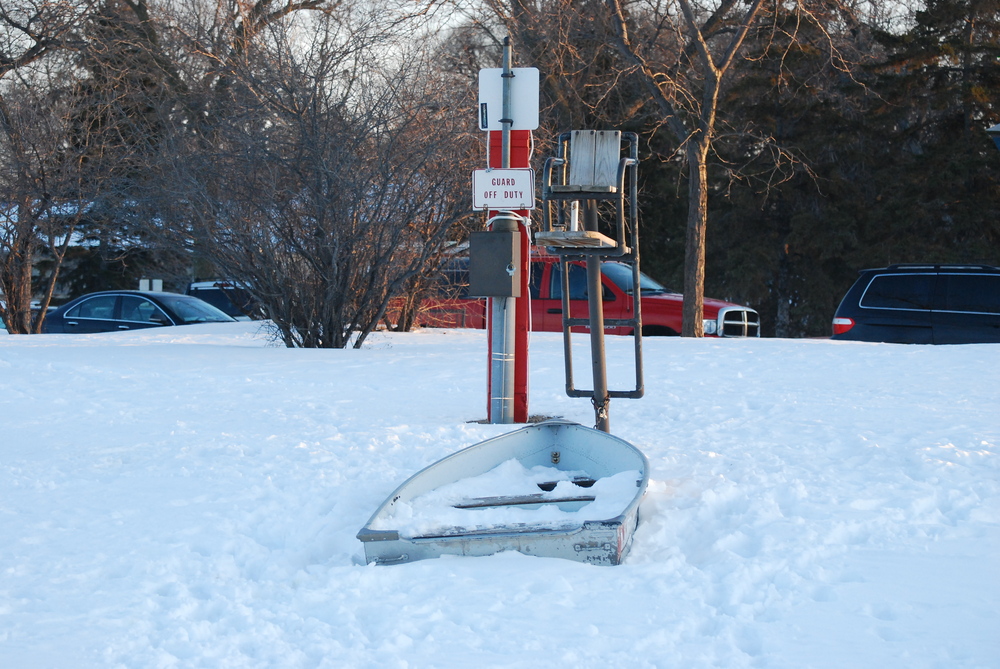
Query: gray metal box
point(495, 264)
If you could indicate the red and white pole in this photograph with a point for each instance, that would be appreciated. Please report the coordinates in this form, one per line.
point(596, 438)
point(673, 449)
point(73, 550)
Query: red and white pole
point(509, 148)
point(520, 150)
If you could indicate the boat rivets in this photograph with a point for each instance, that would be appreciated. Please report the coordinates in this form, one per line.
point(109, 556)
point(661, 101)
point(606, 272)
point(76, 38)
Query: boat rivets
point(555, 457)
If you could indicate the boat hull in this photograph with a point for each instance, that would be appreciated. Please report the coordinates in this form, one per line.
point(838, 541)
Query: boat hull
point(560, 444)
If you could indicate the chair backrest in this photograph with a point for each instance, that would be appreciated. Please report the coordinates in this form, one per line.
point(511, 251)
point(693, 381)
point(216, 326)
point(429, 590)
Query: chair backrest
point(593, 159)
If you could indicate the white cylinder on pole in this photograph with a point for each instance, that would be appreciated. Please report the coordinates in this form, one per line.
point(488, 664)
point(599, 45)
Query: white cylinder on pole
point(502, 361)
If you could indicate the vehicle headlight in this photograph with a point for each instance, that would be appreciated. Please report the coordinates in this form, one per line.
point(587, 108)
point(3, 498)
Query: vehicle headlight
point(711, 327)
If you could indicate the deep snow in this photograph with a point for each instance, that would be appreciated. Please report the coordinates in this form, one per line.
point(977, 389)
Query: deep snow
point(189, 497)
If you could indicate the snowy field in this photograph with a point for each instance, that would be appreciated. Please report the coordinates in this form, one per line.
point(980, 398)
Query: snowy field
point(190, 497)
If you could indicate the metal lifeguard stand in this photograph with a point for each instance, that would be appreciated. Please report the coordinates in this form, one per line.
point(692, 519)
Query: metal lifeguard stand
point(589, 169)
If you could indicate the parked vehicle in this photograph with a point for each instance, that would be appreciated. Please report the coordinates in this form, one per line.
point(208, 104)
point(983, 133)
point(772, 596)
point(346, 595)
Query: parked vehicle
point(227, 296)
point(661, 307)
point(922, 304)
point(117, 310)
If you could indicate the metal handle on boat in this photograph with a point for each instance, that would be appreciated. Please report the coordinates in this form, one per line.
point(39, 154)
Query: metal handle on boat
point(396, 560)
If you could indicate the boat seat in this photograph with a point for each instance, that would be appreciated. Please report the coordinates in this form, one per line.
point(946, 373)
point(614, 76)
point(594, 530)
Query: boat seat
point(582, 481)
point(519, 500)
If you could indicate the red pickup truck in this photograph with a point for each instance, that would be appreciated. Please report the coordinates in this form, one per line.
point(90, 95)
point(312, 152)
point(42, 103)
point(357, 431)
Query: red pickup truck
point(661, 307)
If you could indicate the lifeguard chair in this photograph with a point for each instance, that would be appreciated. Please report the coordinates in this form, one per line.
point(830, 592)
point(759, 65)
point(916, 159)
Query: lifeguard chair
point(589, 169)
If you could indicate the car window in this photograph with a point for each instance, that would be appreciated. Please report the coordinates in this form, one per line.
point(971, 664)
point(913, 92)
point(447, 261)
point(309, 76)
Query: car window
point(621, 275)
point(140, 310)
point(451, 281)
point(101, 306)
point(976, 293)
point(577, 283)
point(899, 291)
point(193, 310)
point(535, 284)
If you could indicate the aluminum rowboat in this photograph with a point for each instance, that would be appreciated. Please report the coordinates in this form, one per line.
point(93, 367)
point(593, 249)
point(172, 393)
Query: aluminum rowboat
point(580, 455)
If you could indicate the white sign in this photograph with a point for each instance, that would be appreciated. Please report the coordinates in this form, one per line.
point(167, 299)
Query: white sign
point(503, 189)
point(523, 98)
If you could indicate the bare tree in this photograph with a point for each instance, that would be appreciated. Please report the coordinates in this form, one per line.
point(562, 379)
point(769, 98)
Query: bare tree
point(335, 183)
point(38, 185)
point(684, 52)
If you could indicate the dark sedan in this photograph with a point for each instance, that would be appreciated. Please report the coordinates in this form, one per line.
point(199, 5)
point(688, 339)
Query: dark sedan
point(116, 310)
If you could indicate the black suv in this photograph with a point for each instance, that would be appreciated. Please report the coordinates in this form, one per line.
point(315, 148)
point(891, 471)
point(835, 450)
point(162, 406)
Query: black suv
point(229, 296)
point(922, 304)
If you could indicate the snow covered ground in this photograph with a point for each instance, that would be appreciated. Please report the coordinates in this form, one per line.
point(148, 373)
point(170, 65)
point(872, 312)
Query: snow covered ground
point(189, 497)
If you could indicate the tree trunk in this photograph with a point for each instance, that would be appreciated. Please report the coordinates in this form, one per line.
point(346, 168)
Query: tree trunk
point(694, 246)
point(783, 312)
point(16, 284)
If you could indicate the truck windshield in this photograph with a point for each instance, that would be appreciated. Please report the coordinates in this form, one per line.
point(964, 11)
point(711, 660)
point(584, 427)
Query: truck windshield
point(621, 275)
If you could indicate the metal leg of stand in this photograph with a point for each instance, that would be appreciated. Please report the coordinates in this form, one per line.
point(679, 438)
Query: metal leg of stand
point(595, 299)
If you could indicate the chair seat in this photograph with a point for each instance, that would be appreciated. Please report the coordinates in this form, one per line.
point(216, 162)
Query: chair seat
point(556, 188)
point(575, 238)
